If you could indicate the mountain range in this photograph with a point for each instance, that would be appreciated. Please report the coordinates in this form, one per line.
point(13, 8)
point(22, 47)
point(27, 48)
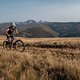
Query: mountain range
point(44, 29)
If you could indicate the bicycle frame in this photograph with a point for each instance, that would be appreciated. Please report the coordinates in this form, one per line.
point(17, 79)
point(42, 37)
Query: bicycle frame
point(10, 40)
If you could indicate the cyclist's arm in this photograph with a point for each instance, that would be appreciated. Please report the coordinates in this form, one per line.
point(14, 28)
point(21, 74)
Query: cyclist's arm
point(16, 31)
point(7, 32)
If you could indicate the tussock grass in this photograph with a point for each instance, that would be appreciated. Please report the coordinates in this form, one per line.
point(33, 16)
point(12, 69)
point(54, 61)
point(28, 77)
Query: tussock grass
point(57, 44)
point(29, 66)
point(37, 63)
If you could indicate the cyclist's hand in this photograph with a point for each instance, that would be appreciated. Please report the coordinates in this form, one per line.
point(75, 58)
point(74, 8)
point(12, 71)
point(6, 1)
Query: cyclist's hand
point(16, 31)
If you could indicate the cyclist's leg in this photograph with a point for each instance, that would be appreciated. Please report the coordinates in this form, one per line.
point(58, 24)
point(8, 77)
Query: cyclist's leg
point(12, 38)
point(7, 37)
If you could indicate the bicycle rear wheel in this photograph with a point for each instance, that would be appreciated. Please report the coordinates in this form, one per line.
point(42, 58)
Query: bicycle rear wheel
point(19, 45)
point(6, 45)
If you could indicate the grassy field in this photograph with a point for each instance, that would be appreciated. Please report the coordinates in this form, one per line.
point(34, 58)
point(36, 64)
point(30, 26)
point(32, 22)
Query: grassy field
point(43, 59)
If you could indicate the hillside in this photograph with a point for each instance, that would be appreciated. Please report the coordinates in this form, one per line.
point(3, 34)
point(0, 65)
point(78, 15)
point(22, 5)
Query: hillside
point(35, 29)
point(65, 29)
point(39, 31)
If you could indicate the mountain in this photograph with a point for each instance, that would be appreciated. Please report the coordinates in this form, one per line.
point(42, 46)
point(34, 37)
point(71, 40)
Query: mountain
point(65, 29)
point(33, 29)
point(39, 31)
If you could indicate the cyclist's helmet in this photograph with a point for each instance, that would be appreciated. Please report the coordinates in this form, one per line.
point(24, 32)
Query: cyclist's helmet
point(12, 25)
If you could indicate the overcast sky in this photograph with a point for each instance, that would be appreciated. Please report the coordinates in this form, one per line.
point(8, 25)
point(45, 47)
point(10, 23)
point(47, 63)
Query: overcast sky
point(46, 10)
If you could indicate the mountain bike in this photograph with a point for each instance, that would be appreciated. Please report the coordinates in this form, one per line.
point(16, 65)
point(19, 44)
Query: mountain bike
point(17, 45)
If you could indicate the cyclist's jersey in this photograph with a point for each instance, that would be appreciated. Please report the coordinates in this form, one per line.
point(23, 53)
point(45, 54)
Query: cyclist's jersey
point(10, 31)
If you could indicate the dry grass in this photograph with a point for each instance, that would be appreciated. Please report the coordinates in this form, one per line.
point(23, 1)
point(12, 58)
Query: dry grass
point(37, 63)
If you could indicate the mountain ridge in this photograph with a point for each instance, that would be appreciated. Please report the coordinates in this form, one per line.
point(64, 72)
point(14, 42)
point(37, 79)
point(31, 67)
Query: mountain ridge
point(34, 29)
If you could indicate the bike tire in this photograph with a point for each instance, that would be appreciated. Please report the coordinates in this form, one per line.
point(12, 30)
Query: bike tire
point(19, 45)
point(6, 45)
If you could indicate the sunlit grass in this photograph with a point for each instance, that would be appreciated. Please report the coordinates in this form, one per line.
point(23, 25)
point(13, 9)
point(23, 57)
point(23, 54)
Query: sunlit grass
point(37, 63)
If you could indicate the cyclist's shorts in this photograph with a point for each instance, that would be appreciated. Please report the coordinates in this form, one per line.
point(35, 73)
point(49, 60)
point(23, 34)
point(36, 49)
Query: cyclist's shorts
point(10, 36)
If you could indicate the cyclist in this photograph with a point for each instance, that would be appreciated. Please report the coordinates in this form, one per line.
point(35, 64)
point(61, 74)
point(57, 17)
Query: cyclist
point(10, 31)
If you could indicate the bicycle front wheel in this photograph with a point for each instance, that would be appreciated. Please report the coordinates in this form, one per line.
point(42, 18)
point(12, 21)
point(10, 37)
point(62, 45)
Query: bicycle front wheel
point(19, 45)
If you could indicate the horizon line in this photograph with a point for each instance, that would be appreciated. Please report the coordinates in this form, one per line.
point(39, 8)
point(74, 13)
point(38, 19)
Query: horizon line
point(42, 21)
